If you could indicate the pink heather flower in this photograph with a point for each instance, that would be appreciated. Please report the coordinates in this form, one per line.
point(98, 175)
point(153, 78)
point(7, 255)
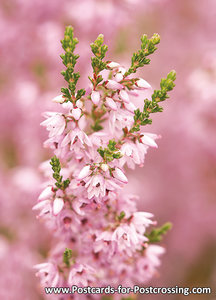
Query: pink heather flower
point(58, 205)
point(95, 97)
point(85, 172)
point(127, 239)
point(118, 120)
point(141, 83)
point(153, 252)
point(87, 215)
point(81, 275)
point(124, 96)
point(58, 99)
point(74, 136)
point(96, 186)
point(141, 220)
point(131, 155)
point(111, 103)
point(103, 243)
point(118, 174)
point(113, 85)
point(44, 207)
point(48, 274)
point(55, 123)
point(77, 205)
point(76, 113)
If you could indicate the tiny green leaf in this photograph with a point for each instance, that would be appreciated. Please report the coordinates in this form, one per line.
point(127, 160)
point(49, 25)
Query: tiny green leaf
point(157, 234)
point(67, 255)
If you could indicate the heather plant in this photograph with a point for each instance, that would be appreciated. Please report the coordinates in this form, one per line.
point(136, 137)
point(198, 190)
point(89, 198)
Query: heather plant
point(101, 238)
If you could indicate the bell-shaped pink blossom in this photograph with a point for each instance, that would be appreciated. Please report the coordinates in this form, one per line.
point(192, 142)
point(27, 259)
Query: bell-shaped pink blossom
point(55, 123)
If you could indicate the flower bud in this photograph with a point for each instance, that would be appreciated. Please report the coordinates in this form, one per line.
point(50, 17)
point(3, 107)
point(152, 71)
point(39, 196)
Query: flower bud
point(147, 140)
point(58, 205)
point(79, 104)
point(84, 172)
point(118, 77)
point(113, 85)
point(130, 107)
point(141, 83)
point(76, 113)
point(58, 99)
point(113, 65)
point(124, 96)
point(111, 103)
point(118, 174)
point(46, 193)
point(95, 96)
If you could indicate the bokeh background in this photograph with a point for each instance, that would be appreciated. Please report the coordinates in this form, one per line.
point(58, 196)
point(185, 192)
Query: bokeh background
point(178, 181)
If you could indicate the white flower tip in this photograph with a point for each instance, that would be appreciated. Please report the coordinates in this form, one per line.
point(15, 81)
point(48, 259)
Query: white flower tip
point(58, 99)
point(141, 83)
point(118, 174)
point(58, 205)
point(84, 172)
point(113, 65)
point(95, 97)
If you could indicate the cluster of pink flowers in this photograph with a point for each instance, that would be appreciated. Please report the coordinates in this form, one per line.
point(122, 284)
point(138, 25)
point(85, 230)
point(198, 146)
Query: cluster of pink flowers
point(84, 201)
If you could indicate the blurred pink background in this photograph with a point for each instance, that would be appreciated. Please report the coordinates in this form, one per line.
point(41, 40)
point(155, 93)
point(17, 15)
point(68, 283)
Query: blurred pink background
point(178, 181)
